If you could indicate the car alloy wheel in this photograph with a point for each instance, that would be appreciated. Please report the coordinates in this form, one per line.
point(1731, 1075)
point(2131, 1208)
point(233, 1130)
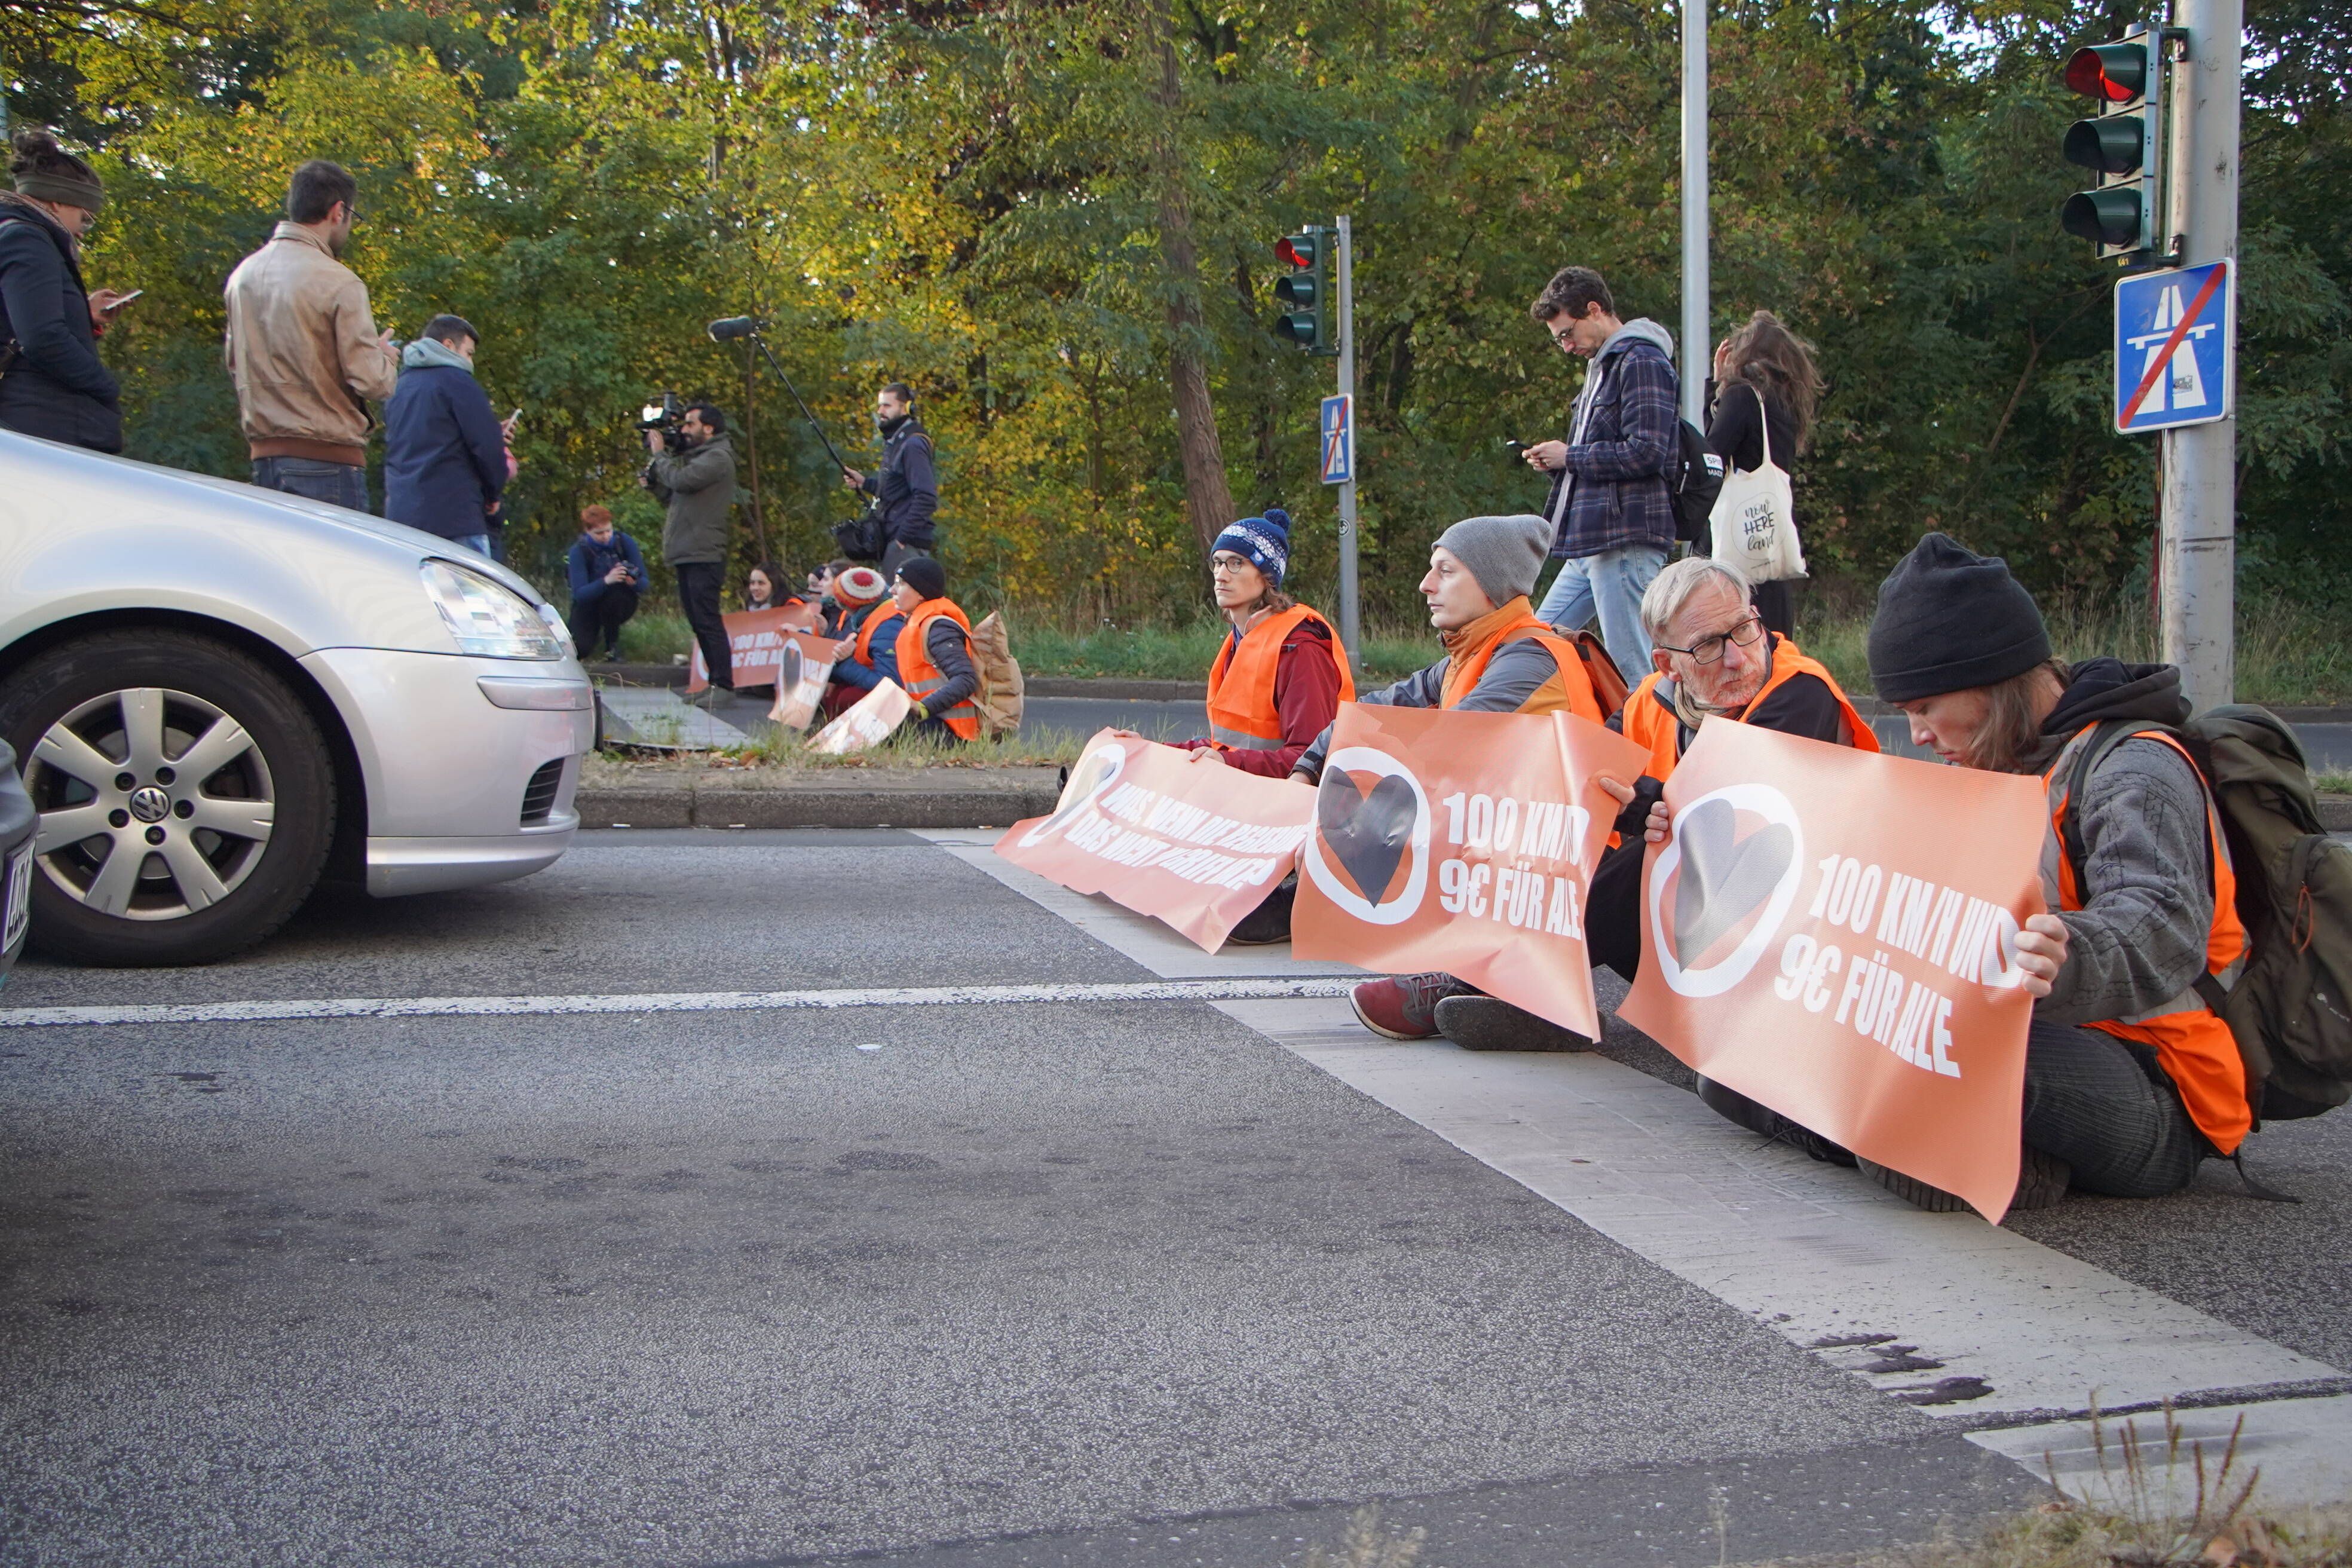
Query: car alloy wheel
point(154, 804)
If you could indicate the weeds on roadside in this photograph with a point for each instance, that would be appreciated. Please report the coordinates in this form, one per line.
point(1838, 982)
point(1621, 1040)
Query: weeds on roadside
point(1368, 1544)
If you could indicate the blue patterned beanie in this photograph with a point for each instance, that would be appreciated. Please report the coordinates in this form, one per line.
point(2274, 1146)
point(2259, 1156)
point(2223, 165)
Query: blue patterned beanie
point(1263, 542)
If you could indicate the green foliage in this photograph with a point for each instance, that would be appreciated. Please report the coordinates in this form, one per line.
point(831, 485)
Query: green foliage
point(973, 199)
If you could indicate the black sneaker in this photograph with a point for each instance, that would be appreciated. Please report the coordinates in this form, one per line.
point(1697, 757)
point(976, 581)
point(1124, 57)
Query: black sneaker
point(2042, 1183)
point(1491, 1023)
point(1268, 924)
point(1734, 1106)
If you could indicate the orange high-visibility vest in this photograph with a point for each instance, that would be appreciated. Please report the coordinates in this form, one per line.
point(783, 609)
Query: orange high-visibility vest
point(1650, 720)
point(881, 611)
point(920, 677)
point(2195, 1047)
point(1516, 622)
point(1242, 713)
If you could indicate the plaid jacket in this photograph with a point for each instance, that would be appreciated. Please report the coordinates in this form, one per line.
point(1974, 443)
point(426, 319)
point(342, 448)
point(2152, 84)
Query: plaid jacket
point(1615, 481)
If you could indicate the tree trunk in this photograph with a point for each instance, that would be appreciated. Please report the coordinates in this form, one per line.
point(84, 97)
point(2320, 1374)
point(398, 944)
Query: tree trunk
point(1206, 494)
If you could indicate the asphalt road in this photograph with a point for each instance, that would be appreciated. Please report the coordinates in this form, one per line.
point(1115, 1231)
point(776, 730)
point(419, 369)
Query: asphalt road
point(1077, 1280)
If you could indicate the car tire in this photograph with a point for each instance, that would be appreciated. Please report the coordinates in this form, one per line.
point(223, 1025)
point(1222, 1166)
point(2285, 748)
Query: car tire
point(224, 859)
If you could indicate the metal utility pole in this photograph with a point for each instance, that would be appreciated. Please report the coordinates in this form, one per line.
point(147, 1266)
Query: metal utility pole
point(2198, 530)
point(1698, 346)
point(1347, 619)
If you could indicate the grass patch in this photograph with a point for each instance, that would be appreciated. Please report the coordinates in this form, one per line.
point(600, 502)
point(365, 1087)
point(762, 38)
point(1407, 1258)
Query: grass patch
point(2332, 781)
point(655, 636)
point(780, 753)
point(2289, 655)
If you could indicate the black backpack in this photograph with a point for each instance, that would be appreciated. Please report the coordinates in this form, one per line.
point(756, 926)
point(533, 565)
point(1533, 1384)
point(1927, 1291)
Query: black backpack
point(2291, 1009)
point(1694, 478)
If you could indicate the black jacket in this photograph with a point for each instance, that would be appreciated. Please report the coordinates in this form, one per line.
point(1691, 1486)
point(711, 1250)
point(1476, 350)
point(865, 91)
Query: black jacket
point(905, 488)
point(1736, 432)
point(56, 387)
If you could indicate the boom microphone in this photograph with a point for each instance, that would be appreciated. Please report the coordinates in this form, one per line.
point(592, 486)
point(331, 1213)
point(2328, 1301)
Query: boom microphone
point(733, 326)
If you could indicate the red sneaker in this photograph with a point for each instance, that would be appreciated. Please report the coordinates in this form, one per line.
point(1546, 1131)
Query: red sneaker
point(1405, 1006)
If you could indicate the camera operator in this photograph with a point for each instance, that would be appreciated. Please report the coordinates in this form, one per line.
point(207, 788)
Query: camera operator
point(906, 490)
point(693, 472)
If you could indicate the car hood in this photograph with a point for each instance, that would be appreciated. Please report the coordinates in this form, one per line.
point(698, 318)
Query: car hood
point(410, 541)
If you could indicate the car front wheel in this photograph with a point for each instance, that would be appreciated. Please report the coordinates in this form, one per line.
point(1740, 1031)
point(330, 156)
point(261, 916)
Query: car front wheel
point(186, 798)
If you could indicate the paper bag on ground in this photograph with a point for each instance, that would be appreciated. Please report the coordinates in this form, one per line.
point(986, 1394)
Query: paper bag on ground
point(1462, 842)
point(1833, 934)
point(870, 723)
point(1195, 844)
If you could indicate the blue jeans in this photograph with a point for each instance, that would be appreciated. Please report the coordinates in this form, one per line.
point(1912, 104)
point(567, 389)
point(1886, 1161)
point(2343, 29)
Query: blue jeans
point(1611, 583)
point(337, 484)
point(479, 544)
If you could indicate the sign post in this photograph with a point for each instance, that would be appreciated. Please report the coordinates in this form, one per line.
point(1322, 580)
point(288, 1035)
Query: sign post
point(1346, 480)
point(2198, 530)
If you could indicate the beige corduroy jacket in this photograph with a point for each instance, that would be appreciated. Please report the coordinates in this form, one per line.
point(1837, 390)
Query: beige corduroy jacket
point(303, 351)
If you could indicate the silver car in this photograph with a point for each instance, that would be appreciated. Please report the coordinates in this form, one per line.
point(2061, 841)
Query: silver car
point(221, 694)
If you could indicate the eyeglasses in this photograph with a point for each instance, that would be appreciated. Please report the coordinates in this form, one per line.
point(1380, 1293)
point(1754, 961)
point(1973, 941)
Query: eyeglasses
point(1709, 650)
point(1560, 339)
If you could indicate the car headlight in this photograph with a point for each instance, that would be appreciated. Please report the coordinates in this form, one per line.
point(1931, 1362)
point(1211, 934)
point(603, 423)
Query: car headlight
point(555, 623)
point(485, 616)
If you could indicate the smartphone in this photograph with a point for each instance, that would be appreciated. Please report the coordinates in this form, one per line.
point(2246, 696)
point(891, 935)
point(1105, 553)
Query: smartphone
point(514, 418)
point(1516, 448)
point(125, 300)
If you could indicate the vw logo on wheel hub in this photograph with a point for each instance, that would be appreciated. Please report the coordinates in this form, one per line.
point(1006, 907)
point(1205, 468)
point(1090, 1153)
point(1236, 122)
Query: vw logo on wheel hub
point(150, 804)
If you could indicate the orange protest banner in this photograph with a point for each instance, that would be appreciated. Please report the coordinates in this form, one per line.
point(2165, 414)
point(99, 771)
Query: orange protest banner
point(1195, 844)
point(802, 671)
point(1833, 934)
point(1462, 842)
point(756, 640)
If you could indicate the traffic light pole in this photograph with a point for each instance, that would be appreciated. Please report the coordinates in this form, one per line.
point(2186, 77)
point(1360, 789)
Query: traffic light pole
point(1698, 348)
point(2197, 527)
point(1348, 623)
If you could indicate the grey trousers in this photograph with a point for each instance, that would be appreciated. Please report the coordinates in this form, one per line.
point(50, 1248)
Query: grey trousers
point(2102, 1105)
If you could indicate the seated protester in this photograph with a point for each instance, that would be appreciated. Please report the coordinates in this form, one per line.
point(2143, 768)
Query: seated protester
point(759, 590)
point(1276, 683)
point(1278, 678)
point(1713, 659)
point(934, 653)
point(607, 572)
point(821, 595)
point(867, 653)
point(1499, 658)
point(2130, 1080)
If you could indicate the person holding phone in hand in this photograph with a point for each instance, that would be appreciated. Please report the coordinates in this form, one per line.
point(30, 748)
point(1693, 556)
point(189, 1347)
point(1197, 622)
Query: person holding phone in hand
point(52, 382)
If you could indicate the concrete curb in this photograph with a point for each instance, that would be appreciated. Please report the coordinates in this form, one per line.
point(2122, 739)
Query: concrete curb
point(846, 806)
point(2336, 812)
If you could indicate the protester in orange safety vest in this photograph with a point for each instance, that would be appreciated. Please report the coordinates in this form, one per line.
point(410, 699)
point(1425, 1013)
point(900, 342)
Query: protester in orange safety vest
point(1712, 659)
point(1276, 683)
point(2130, 1079)
point(1499, 658)
point(934, 651)
point(868, 626)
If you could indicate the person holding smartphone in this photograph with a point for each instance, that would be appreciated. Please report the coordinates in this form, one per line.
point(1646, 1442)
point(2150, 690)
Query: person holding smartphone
point(608, 573)
point(52, 382)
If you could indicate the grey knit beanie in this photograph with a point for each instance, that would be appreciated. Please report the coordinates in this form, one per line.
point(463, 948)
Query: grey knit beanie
point(1503, 552)
point(48, 173)
point(1949, 619)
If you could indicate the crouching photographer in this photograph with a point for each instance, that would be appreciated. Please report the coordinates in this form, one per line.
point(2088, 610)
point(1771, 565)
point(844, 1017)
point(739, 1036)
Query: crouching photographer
point(692, 471)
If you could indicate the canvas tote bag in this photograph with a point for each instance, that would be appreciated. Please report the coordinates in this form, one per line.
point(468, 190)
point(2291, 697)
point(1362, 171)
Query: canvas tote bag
point(1754, 522)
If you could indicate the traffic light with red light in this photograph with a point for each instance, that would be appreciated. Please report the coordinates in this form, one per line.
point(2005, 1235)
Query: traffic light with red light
point(1305, 291)
point(2120, 143)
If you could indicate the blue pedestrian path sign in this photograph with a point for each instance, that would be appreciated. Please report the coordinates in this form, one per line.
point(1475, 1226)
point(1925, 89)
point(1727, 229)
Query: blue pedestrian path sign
point(2176, 347)
point(1339, 440)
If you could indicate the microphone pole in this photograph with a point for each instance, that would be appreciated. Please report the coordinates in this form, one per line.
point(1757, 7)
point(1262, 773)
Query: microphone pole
point(749, 327)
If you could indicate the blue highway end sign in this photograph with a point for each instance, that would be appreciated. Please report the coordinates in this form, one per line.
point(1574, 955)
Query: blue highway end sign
point(2176, 347)
point(1339, 440)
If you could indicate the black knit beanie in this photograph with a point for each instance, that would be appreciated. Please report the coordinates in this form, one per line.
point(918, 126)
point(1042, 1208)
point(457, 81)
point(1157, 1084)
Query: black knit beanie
point(1949, 619)
point(925, 577)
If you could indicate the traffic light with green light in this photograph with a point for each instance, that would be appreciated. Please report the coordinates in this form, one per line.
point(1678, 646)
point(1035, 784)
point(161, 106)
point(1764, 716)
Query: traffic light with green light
point(1305, 291)
point(2120, 143)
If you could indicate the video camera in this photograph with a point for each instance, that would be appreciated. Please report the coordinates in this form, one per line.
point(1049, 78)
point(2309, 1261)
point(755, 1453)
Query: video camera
point(664, 417)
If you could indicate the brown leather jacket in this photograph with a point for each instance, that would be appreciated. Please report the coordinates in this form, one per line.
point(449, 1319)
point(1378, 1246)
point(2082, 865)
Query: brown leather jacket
point(303, 351)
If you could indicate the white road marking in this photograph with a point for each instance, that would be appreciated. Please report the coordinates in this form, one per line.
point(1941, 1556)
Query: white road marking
point(666, 1002)
point(1810, 1251)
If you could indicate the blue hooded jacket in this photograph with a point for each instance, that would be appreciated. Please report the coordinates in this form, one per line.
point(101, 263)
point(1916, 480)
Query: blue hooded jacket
point(445, 456)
